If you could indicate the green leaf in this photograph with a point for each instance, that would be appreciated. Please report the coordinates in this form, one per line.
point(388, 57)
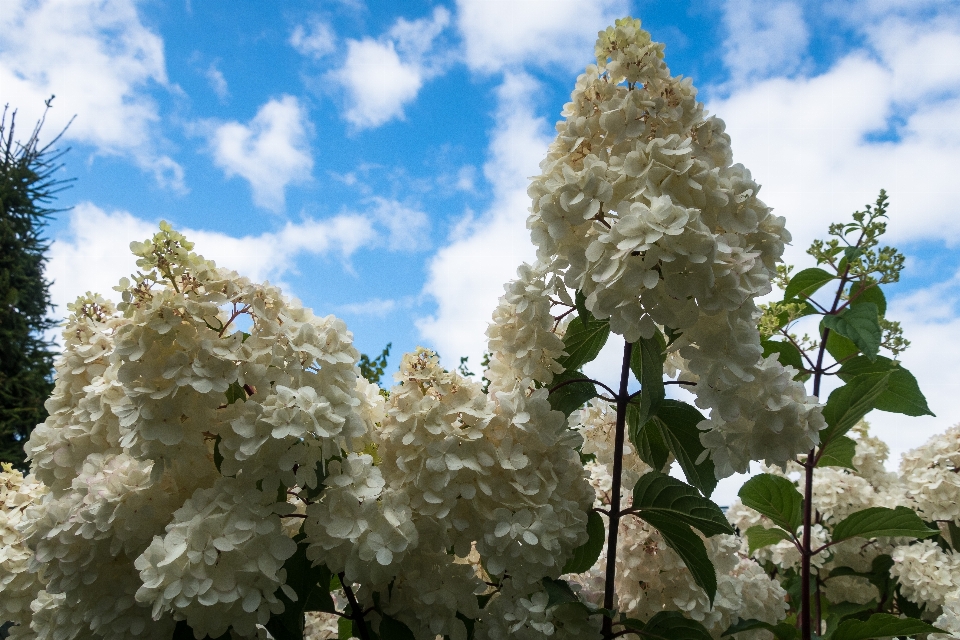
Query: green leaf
point(862, 365)
point(235, 392)
point(672, 507)
point(775, 497)
point(217, 456)
point(677, 423)
point(861, 324)
point(869, 292)
point(312, 586)
point(839, 452)
point(585, 556)
point(688, 545)
point(849, 403)
point(668, 625)
point(954, 532)
point(558, 592)
point(839, 347)
point(570, 397)
point(344, 629)
point(782, 631)
point(882, 522)
point(183, 632)
point(658, 492)
point(787, 354)
point(759, 536)
point(646, 362)
point(393, 629)
point(583, 341)
point(580, 302)
point(806, 283)
point(882, 625)
point(649, 440)
point(902, 395)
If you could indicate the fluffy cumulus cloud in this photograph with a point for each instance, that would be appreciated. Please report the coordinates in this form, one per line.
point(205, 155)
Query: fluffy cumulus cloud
point(93, 253)
point(771, 37)
point(101, 62)
point(270, 152)
point(380, 76)
point(883, 116)
point(502, 34)
point(466, 276)
point(314, 39)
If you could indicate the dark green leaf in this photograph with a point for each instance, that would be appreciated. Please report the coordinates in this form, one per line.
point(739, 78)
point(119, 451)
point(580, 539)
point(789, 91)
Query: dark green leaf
point(585, 556)
point(903, 395)
point(672, 507)
point(582, 341)
point(235, 392)
point(646, 362)
point(183, 632)
point(882, 522)
point(312, 585)
point(558, 592)
point(862, 365)
point(344, 629)
point(759, 536)
point(580, 302)
point(806, 283)
point(680, 537)
point(787, 354)
point(775, 497)
point(860, 323)
point(393, 629)
point(838, 453)
point(849, 403)
point(570, 397)
point(677, 423)
point(869, 292)
point(649, 441)
point(782, 631)
point(954, 533)
point(658, 492)
point(839, 347)
point(669, 625)
point(882, 625)
point(217, 456)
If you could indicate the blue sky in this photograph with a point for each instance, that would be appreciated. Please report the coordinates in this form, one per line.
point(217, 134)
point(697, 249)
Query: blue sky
point(373, 156)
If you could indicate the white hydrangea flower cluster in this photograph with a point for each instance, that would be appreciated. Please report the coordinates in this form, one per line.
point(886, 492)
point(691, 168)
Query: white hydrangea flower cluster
point(172, 441)
point(18, 585)
point(927, 573)
point(523, 342)
point(949, 619)
point(640, 207)
point(931, 477)
point(518, 613)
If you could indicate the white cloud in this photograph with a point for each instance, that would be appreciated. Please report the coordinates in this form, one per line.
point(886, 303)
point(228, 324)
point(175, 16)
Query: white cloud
point(100, 61)
point(502, 34)
point(375, 307)
point(379, 77)
point(217, 82)
point(93, 253)
point(466, 276)
point(822, 147)
point(315, 39)
point(270, 152)
point(406, 227)
point(770, 37)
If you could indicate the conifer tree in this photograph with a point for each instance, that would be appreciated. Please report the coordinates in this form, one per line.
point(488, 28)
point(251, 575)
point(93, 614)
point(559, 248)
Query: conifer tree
point(28, 184)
